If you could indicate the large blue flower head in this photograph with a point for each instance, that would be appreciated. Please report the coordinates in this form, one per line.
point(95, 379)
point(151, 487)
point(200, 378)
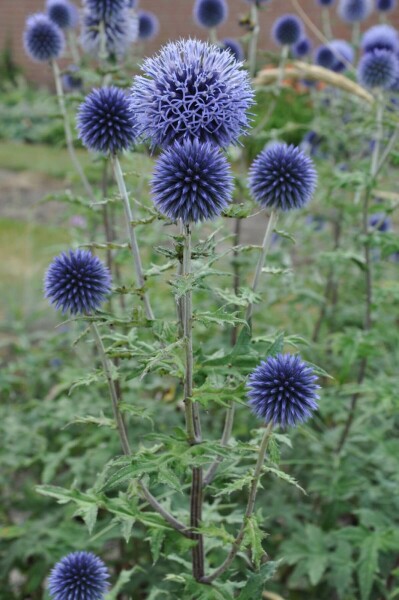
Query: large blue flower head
point(287, 30)
point(77, 282)
point(324, 57)
point(43, 39)
point(344, 55)
point(282, 178)
point(120, 32)
point(235, 48)
point(380, 37)
point(148, 25)
point(302, 48)
point(192, 181)
point(385, 5)
point(192, 89)
point(105, 122)
point(104, 9)
point(79, 576)
point(62, 13)
point(210, 13)
point(353, 11)
point(283, 390)
point(378, 69)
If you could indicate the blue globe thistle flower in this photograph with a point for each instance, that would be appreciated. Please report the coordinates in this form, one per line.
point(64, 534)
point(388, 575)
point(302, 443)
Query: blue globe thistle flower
point(324, 57)
point(325, 2)
point(71, 80)
point(192, 89)
point(302, 48)
point(62, 13)
point(104, 9)
point(79, 575)
point(43, 39)
point(352, 11)
point(235, 48)
point(380, 37)
point(282, 177)
point(385, 5)
point(380, 222)
point(120, 32)
point(282, 390)
point(344, 55)
point(105, 122)
point(77, 282)
point(192, 181)
point(210, 13)
point(378, 69)
point(287, 30)
point(148, 25)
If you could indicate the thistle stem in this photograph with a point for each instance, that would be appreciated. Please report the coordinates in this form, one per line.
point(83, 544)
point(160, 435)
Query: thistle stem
point(73, 47)
point(253, 42)
point(283, 59)
point(249, 510)
point(326, 22)
point(228, 427)
point(132, 236)
point(68, 132)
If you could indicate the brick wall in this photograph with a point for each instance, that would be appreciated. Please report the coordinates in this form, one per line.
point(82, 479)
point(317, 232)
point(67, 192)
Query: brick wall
point(175, 18)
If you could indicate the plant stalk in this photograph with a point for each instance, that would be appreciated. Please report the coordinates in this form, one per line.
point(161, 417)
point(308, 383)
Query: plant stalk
point(253, 42)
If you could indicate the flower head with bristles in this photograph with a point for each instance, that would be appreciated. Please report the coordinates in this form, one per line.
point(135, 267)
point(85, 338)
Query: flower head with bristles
point(62, 13)
point(148, 25)
point(344, 55)
point(43, 39)
point(380, 37)
point(210, 13)
point(283, 390)
point(385, 5)
point(79, 576)
point(353, 11)
point(324, 57)
point(287, 30)
point(120, 32)
point(235, 48)
point(302, 48)
point(378, 69)
point(103, 9)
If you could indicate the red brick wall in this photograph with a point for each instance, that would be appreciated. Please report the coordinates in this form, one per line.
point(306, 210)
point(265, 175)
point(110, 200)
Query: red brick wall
point(175, 18)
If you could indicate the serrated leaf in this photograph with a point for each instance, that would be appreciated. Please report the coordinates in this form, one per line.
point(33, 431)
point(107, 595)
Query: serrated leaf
point(284, 476)
point(156, 540)
point(168, 477)
point(126, 527)
point(256, 582)
point(368, 564)
point(253, 537)
point(234, 486)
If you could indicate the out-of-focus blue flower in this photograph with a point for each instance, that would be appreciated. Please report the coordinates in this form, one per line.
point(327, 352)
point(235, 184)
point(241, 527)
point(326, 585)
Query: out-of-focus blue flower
point(148, 25)
point(62, 13)
point(283, 390)
point(192, 181)
point(302, 48)
point(71, 79)
point(77, 282)
point(352, 11)
point(105, 122)
point(380, 222)
point(192, 89)
point(210, 13)
point(378, 69)
point(287, 30)
point(324, 57)
point(104, 9)
point(310, 143)
point(380, 37)
point(79, 576)
point(385, 5)
point(43, 39)
point(235, 48)
point(316, 222)
point(120, 32)
point(325, 2)
point(344, 55)
point(282, 177)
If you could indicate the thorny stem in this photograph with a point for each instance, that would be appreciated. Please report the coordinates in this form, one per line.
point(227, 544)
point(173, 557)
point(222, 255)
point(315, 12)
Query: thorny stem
point(249, 510)
point(132, 236)
point(68, 132)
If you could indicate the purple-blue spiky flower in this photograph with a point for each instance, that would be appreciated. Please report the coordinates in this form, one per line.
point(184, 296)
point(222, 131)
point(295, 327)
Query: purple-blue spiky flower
point(302, 48)
point(71, 79)
point(380, 37)
point(148, 25)
point(192, 181)
point(105, 121)
point(283, 390)
point(378, 69)
point(104, 9)
point(43, 39)
point(282, 177)
point(287, 30)
point(120, 32)
point(62, 13)
point(235, 48)
point(192, 89)
point(344, 55)
point(77, 282)
point(385, 5)
point(210, 13)
point(324, 57)
point(79, 576)
point(353, 11)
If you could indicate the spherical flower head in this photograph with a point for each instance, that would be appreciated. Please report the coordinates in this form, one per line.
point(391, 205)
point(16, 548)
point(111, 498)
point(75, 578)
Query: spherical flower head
point(324, 57)
point(344, 55)
point(120, 32)
point(352, 11)
point(43, 39)
point(380, 37)
point(71, 80)
point(380, 222)
point(283, 390)
point(282, 178)
point(105, 122)
point(104, 9)
point(210, 13)
point(302, 48)
point(79, 575)
point(77, 282)
point(192, 89)
point(385, 5)
point(148, 25)
point(62, 13)
point(378, 69)
point(287, 30)
point(192, 182)
point(235, 48)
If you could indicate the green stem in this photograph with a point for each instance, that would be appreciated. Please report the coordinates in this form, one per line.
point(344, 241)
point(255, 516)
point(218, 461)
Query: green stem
point(253, 42)
point(71, 35)
point(281, 67)
point(326, 21)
